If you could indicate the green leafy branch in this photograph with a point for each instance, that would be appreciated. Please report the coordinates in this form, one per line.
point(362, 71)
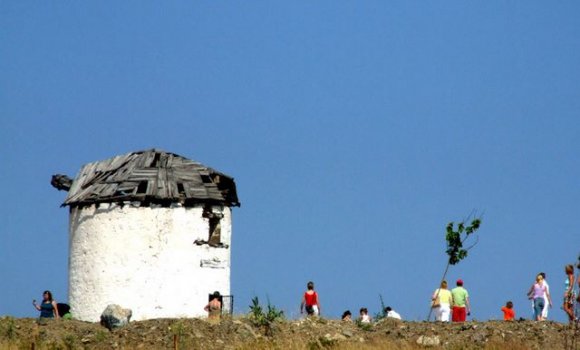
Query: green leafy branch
point(456, 236)
point(454, 239)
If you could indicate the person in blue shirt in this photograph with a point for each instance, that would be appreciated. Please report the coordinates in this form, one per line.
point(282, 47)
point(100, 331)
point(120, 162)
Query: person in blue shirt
point(47, 308)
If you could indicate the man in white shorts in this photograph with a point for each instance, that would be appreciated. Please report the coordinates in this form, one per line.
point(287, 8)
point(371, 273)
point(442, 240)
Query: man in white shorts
point(545, 310)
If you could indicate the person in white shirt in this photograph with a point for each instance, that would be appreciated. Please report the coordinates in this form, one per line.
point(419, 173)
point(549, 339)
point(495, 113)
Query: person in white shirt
point(546, 306)
point(390, 313)
point(364, 315)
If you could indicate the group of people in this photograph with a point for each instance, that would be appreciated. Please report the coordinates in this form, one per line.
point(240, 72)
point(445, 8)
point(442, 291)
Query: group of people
point(456, 301)
point(446, 303)
point(454, 304)
point(539, 293)
point(50, 309)
point(311, 304)
point(364, 316)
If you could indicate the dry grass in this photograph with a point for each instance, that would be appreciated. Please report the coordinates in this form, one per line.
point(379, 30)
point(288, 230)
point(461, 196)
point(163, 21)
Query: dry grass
point(371, 345)
point(241, 333)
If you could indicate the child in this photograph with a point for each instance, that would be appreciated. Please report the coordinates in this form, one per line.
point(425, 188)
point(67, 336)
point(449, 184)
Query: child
point(364, 315)
point(347, 316)
point(310, 301)
point(508, 311)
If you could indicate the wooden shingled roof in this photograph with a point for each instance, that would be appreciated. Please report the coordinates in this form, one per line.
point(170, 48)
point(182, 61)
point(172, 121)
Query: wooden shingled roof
point(151, 177)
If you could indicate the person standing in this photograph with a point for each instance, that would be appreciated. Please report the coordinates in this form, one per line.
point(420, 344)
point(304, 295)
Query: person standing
point(441, 302)
point(48, 307)
point(214, 307)
point(569, 293)
point(460, 302)
point(578, 294)
point(536, 293)
point(310, 301)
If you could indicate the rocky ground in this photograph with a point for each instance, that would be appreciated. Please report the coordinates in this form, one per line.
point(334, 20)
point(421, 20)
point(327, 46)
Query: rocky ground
point(241, 333)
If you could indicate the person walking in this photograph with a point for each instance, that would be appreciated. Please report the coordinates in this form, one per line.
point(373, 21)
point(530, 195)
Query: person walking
point(578, 294)
point(441, 302)
point(546, 307)
point(569, 293)
point(545, 310)
point(460, 301)
point(310, 301)
point(536, 293)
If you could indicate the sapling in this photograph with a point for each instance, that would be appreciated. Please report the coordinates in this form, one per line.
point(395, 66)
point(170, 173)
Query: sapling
point(455, 237)
point(381, 314)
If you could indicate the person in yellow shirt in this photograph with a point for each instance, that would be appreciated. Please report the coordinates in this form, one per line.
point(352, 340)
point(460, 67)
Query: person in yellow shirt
point(441, 302)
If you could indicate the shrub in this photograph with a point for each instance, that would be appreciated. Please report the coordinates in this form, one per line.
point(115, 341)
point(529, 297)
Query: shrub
point(264, 319)
point(365, 326)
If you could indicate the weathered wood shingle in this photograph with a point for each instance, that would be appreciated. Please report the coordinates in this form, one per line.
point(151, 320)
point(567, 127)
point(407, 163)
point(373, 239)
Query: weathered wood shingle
point(151, 177)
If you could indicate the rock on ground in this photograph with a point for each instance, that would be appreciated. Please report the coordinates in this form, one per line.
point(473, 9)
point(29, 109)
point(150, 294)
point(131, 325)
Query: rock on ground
point(115, 316)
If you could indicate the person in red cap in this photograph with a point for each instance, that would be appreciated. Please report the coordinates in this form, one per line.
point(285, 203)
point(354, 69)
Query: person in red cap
point(460, 300)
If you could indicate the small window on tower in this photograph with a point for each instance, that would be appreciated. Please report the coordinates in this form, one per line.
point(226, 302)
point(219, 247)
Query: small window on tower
point(180, 189)
point(214, 238)
point(215, 231)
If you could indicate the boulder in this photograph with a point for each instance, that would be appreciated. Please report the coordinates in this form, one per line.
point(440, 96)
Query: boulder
point(347, 333)
point(115, 316)
point(429, 340)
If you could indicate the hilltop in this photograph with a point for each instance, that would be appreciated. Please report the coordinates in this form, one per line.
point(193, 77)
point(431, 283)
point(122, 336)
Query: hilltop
point(240, 333)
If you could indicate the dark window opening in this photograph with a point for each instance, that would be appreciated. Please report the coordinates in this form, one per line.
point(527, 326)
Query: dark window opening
point(206, 179)
point(180, 189)
point(142, 188)
point(155, 162)
point(215, 231)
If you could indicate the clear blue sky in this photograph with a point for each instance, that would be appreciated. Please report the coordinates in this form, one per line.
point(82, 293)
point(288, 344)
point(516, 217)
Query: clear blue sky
point(355, 131)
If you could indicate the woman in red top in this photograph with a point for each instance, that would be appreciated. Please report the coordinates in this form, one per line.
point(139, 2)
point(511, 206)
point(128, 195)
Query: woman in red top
point(310, 301)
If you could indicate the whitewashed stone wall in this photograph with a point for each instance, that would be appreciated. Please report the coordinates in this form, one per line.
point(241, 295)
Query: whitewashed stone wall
point(144, 259)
